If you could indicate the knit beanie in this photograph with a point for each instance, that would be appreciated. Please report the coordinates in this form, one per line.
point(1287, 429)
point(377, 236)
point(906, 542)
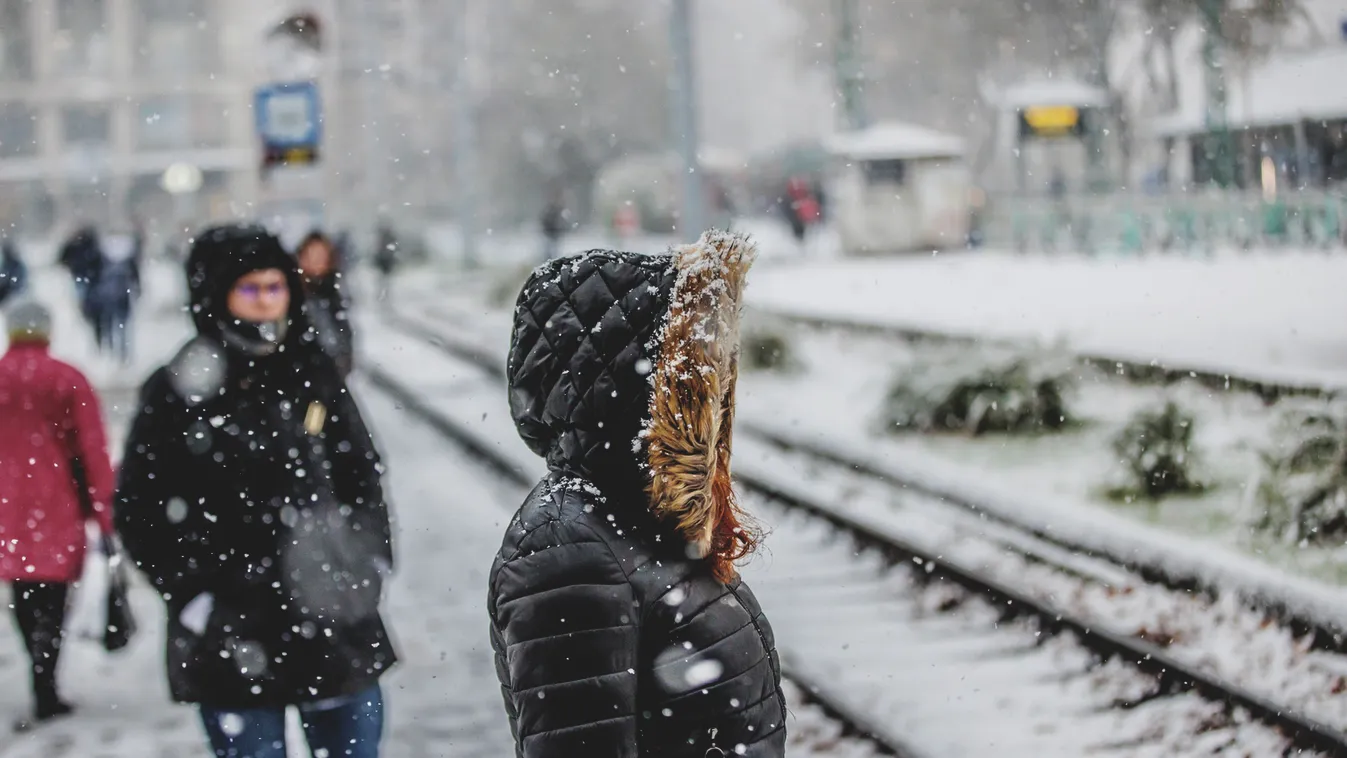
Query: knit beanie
point(28, 321)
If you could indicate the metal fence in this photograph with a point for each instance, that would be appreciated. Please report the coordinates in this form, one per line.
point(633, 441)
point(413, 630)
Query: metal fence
point(1193, 223)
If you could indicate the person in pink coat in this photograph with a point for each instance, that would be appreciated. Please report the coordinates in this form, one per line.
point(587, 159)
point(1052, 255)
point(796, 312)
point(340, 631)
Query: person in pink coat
point(54, 477)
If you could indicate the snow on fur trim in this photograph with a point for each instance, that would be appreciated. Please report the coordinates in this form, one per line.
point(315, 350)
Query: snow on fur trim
point(688, 437)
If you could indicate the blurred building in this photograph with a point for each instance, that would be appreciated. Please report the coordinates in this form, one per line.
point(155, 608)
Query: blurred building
point(1286, 104)
point(99, 98)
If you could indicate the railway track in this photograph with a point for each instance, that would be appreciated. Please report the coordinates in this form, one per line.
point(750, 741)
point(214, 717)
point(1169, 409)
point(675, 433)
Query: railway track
point(1269, 388)
point(835, 727)
point(917, 586)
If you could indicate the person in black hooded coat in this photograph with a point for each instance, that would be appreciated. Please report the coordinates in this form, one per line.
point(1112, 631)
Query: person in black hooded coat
point(250, 495)
point(620, 626)
point(326, 302)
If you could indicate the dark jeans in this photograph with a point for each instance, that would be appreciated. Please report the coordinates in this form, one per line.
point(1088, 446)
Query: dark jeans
point(39, 611)
point(112, 329)
point(347, 728)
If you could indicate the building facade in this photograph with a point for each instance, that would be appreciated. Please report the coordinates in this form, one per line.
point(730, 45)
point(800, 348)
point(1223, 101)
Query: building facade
point(99, 98)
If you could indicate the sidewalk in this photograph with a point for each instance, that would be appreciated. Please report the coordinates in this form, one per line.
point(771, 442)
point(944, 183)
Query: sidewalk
point(1271, 318)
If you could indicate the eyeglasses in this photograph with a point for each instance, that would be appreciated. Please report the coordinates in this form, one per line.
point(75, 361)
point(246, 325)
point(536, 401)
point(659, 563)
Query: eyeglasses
point(255, 291)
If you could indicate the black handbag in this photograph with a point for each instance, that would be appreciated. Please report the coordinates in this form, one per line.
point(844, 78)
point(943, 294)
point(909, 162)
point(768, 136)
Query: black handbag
point(119, 623)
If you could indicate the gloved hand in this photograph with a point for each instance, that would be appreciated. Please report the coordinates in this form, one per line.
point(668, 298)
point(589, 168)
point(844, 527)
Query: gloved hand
point(195, 615)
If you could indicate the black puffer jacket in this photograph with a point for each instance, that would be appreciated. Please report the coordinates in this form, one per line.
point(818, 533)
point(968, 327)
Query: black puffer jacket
point(328, 310)
point(250, 476)
point(613, 630)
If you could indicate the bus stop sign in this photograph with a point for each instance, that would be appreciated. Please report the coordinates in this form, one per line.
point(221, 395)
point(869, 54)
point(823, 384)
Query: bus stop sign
point(288, 123)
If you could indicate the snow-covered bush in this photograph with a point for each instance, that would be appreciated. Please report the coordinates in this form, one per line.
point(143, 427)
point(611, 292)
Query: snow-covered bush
point(766, 348)
point(1155, 450)
point(982, 393)
point(1302, 490)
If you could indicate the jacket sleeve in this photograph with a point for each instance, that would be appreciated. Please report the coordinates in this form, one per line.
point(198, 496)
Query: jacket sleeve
point(149, 479)
point(357, 472)
point(567, 628)
point(89, 450)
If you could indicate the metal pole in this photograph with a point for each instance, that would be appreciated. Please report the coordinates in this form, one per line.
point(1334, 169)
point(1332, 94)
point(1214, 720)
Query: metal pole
point(371, 32)
point(465, 137)
point(1219, 148)
point(684, 91)
point(1100, 23)
point(847, 66)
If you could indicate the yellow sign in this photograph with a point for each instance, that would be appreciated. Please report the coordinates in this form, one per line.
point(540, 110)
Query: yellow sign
point(1052, 120)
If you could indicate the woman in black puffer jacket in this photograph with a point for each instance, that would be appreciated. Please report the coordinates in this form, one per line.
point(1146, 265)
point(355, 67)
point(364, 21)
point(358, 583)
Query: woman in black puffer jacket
point(326, 303)
point(250, 495)
point(620, 625)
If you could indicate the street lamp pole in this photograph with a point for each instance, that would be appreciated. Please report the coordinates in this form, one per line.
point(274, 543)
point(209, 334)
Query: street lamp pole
point(1219, 148)
point(847, 66)
point(465, 135)
point(684, 96)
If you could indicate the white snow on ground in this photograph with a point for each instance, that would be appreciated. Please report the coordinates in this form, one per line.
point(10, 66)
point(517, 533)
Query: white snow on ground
point(949, 683)
point(846, 378)
point(1224, 637)
point(834, 406)
point(1275, 317)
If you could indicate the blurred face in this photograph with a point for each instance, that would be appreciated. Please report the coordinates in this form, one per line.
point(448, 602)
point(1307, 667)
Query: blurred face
point(315, 259)
point(260, 296)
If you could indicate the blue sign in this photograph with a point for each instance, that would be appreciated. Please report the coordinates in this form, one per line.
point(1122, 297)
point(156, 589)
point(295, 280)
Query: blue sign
point(289, 116)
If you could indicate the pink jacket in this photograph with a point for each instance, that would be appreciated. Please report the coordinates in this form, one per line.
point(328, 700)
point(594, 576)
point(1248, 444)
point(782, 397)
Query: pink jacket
point(49, 420)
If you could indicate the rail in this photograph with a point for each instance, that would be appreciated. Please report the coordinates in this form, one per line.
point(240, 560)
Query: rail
point(854, 723)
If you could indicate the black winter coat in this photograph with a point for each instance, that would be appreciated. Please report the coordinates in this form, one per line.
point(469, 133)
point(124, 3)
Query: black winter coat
point(254, 479)
point(613, 635)
point(328, 310)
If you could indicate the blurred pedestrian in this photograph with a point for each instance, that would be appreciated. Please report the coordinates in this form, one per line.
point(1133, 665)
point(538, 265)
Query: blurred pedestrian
point(54, 476)
point(251, 498)
point(13, 272)
point(82, 257)
point(801, 208)
point(325, 299)
point(619, 623)
point(555, 222)
point(386, 257)
point(113, 293)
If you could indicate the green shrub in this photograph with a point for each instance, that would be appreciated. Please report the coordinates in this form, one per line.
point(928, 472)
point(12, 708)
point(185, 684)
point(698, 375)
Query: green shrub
point(766, 349)
point(981, 394)
point(1302, 489)
point(1155, 450)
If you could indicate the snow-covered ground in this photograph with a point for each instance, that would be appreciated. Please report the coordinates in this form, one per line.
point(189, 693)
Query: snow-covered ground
point(847, 378)
point(1272, 317)
point(1053, 482)
point(924, 674)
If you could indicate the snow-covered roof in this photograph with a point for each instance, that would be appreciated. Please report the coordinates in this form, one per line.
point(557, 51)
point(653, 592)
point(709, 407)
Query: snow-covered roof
point(1280, 89)
point(1034, 92)
point(895, 140)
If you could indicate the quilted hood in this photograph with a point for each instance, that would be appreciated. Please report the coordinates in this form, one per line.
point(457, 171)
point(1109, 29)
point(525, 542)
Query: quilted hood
point(622, 371)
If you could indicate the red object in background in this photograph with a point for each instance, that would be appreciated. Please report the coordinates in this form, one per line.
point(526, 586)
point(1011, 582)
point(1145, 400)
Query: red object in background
point(627, 221)
point(802, 200)
point(49, 419)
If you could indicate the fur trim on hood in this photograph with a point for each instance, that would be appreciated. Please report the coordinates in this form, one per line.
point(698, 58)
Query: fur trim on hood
point(688, 436)
point(622, 372)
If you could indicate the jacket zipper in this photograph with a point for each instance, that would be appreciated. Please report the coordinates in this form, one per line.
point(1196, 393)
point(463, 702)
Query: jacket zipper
point(766, 649)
